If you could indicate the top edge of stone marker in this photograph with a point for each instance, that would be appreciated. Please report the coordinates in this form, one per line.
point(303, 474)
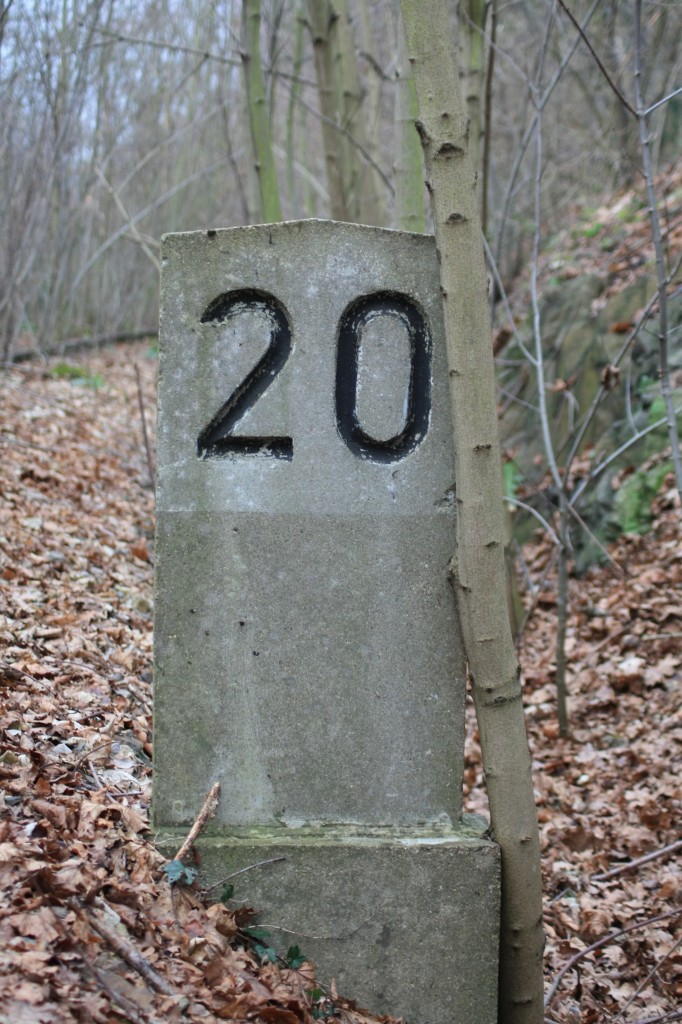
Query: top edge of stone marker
point(288, 225)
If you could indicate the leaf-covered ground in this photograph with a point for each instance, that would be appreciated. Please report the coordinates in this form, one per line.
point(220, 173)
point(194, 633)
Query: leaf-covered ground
point(91, 928)
point(610, 794)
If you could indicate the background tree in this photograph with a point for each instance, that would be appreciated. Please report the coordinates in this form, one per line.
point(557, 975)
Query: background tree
point(153, 95)
point(259, 117)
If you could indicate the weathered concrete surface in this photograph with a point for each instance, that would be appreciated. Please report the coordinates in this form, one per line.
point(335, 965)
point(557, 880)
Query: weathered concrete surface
point(405, 923)
point(307, 652)
point(307, 647)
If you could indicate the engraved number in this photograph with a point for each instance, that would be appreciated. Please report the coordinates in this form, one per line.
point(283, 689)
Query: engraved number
point(217, 438)
point(418, 403)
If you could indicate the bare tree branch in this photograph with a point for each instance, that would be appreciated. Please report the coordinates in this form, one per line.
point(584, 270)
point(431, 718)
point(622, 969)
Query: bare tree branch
point(158, 44)
point(588, 44)
point(344, 131)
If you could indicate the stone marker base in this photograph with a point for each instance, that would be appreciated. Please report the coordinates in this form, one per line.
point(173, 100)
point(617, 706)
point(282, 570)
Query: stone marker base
point(405, 921)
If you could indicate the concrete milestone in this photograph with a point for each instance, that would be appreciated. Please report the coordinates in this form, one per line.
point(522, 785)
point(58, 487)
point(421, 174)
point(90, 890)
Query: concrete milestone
point(307, 653)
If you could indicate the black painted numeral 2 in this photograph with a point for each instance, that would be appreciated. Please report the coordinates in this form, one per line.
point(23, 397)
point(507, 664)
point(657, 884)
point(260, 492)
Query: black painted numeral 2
point(217, 438)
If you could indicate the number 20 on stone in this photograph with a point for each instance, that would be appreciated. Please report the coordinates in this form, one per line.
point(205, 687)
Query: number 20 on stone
point(217, 438)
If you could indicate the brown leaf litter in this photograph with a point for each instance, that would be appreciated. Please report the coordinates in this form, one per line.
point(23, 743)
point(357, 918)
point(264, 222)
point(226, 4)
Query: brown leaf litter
point(91, 928)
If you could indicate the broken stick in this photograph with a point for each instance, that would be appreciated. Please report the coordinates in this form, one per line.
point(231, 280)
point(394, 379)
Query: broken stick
point(123, 948)
point(207, 811)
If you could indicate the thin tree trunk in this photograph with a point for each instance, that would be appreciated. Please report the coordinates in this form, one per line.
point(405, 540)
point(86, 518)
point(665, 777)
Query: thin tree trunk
point(292, 110)
point(562, 616)
point(371, 109)
point(409, 165)
point(271, 210)
point(320, 17)
point(478, 565)
point(274, 46)
point(661, 270)
point(488, 107)
point(477, 11)
point(364, 190)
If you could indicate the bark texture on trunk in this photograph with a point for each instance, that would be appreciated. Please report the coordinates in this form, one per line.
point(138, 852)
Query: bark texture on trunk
point(409, 166)
point(474, 27)
point(362, 186)
point(259, 119)
point(321, 18)
point(478, 566)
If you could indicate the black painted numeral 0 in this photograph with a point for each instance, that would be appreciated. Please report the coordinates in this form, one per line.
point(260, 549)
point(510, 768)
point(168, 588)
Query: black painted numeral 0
point(217, 438)
point(418, 404)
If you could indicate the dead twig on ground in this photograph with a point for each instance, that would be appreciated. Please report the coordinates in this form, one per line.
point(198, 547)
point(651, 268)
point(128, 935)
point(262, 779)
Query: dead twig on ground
point(661, 1018)
point(207, 811)
point(123, 948)
point(249, 867)
point(645, 981)
point(631, 864)
point(604, 941)
point(126, 1005)
point(145, 435)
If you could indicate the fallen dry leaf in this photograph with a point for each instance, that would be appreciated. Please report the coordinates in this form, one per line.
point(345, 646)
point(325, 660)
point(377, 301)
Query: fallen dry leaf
point(77, 521)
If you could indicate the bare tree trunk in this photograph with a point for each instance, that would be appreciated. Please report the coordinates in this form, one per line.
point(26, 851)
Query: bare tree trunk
point(320, 18)
point(371, 105)
point(363, 187)
point(292, 110)
point(478, 565)
point(474, 27)
point(271, 209)
point(661, 270)
point(409, 165)
point(488, 107)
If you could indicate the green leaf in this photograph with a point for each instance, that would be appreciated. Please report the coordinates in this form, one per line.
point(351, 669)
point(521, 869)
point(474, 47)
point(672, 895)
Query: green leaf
point(174, 869)
point(295, 958)
point(511, 478)
point(256, 933)
point(177, 872)
point(265, 952)
point(228, 893)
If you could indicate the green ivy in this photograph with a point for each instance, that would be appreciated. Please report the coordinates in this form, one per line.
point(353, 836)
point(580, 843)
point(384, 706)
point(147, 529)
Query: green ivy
point(178, 873)
point(635, 495)
point(295, 958)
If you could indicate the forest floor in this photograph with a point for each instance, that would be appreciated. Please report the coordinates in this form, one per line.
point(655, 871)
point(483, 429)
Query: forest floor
point(91, 927)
